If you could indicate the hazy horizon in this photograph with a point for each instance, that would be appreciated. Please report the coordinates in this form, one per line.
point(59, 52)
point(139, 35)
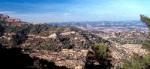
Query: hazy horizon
point(75, 10)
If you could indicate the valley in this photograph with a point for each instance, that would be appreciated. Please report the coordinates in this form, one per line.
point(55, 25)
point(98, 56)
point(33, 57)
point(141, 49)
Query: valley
point(72, 46)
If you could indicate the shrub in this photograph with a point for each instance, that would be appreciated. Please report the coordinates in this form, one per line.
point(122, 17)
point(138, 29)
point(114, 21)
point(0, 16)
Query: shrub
point(146, 44)
point(20, 36)
point(1, 30)
point(137, 62)
point(47, 46)
point(102, 55)
point(101, 51)
point(146, 20)
point(2, 22)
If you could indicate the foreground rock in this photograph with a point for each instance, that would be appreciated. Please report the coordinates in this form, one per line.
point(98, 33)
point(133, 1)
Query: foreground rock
point(66, 57)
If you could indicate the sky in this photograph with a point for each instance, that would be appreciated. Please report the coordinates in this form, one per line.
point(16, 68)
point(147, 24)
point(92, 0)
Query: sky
point(75, 10)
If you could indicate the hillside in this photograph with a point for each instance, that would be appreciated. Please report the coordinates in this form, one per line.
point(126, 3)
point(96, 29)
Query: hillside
point(64, 46)
point(43, 46)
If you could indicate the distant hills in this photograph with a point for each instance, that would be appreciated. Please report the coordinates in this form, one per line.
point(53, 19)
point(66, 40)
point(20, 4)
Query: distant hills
point(72, 45)
point(127, 24)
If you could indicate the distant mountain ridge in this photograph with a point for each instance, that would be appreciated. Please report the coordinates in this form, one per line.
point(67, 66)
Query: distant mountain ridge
point(127, 24)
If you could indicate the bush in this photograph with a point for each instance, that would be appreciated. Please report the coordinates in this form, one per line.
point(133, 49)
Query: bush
point(36, 29)
point(21, 36)
point(47, 46)
point(146, 44)
point(2, 22)
point(146, 20)
point(137, 62)
point(1, 30)
point(102, 55)
point(101, 51)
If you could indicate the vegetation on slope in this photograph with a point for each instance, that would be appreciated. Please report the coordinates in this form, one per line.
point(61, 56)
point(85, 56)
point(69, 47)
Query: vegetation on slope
point(101, 51)
point(13, 58)
point(146, 20)
point(1, 30)
point(100, 55)
point(26, 34)
point(137, 61)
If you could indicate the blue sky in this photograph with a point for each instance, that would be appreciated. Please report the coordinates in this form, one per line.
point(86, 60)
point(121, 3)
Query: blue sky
point(75, 10)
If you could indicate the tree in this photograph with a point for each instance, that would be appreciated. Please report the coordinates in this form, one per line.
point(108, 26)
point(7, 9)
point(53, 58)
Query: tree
point(146, 20)
point(136, 61)
point(101, 51)
point(20, 36)
point(101, 55)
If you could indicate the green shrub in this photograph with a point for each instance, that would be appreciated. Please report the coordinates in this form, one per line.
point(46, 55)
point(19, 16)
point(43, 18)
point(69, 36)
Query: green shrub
point(20, 36)
point(47, 46)
point(146, 44)
point(102, 54)
point(1, 30)
point(2, 22)
point(137, 62)
point(101, 51)
point(146, 20)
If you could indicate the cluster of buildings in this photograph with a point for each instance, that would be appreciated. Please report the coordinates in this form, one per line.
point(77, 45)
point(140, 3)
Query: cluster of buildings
point(9, 20)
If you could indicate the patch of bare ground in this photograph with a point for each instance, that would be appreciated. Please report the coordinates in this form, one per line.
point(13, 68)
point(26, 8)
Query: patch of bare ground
point(135, 48)
point(66, 57)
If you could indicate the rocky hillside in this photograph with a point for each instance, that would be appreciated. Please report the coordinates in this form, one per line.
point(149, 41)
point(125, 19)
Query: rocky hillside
point(64, 46)
point(42, 46)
